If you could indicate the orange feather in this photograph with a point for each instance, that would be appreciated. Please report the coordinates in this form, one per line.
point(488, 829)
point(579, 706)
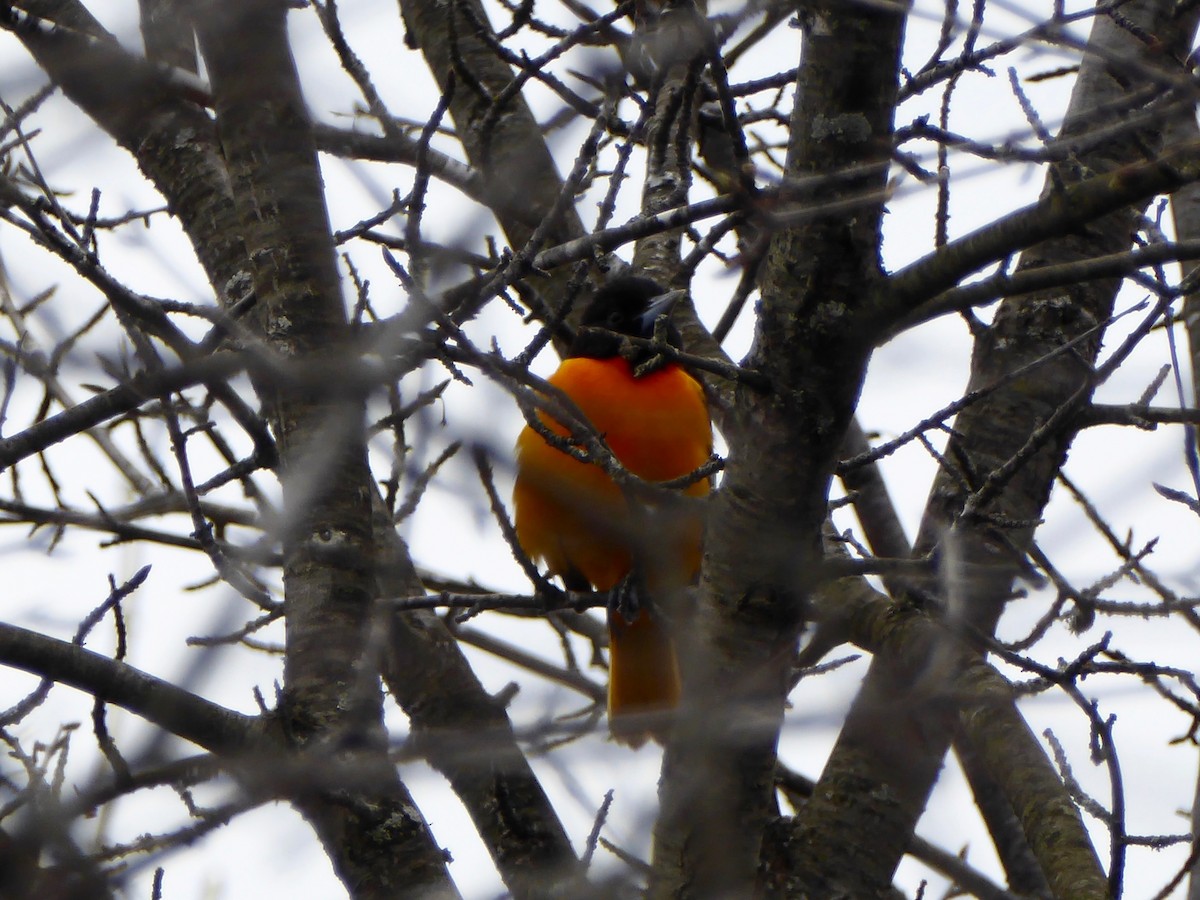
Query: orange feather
point(572, 517)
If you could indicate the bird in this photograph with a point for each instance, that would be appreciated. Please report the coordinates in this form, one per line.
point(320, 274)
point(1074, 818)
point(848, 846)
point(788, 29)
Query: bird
point(572, 517)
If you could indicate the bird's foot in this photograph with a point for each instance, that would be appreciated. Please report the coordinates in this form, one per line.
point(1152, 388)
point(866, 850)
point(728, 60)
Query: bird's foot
point(628, 598)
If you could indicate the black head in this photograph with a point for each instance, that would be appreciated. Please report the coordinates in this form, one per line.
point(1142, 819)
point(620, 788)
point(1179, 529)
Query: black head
point(629, 305)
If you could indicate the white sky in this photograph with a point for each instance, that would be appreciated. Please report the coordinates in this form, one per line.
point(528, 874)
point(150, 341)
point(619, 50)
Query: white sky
point(271, 852)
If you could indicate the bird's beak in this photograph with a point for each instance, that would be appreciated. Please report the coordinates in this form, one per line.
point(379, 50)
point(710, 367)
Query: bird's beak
point(660, 306)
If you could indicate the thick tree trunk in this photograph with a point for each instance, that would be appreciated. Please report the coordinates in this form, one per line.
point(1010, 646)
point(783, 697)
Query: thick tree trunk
point(375, 836)
point(765, 526)
point(982, 517)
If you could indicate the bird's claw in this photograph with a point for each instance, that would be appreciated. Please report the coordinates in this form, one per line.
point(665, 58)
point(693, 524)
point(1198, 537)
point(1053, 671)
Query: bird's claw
point(627, 598)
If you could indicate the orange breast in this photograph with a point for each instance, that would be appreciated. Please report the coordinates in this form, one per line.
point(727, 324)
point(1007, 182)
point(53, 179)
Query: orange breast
point(571, 516)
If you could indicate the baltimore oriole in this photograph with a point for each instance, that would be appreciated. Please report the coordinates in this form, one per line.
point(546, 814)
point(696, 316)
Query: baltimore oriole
point(572, 517)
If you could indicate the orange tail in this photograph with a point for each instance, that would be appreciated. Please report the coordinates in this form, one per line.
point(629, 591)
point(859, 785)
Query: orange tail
point(643, 679)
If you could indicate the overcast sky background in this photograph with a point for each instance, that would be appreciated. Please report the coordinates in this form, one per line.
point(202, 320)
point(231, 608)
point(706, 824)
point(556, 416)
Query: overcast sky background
point(270, 851)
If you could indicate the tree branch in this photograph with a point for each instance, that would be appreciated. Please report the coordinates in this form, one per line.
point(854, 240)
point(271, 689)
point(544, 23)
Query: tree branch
point(766, 520)
point(886, 782)
point(169, 707)
point(379, 843)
